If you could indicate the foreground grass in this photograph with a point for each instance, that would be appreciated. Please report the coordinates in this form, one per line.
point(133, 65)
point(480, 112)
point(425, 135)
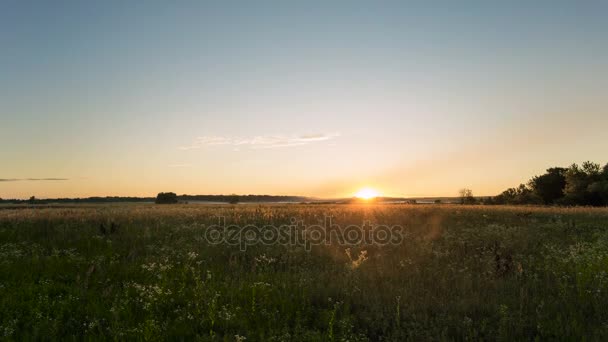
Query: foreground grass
point(464, 273)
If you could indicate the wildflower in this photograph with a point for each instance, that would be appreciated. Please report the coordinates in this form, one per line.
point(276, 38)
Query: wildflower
point(264, 259)
point(192, 255)
point(260, 284)
point(354, 264)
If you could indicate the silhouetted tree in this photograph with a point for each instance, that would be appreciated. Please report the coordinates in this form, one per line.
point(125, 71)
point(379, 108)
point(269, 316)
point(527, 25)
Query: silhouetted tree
point(586, 184)
point(525, 195)
point(520, 195)
point(550, 186)
point(166, 198)
point(583, 184)
point(604, 184)
point(32, 200)
point(466, 196)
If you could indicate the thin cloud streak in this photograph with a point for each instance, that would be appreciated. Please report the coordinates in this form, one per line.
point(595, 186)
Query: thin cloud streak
point(261, 141)
point(31, 179)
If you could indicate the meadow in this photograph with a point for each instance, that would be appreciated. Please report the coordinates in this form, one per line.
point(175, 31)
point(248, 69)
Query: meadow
point(147, 272)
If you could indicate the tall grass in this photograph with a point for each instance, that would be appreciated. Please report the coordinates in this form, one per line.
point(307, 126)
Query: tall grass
point(462, 273)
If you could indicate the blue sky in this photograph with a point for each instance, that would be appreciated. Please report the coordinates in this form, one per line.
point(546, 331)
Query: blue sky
point(311, 98)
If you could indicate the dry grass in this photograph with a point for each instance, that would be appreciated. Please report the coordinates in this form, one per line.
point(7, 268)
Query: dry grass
point(463, 272)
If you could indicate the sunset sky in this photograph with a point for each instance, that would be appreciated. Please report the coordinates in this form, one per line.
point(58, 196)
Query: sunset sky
point(313, 98)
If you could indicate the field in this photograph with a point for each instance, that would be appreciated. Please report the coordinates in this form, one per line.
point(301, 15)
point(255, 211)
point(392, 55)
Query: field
point(149, 272)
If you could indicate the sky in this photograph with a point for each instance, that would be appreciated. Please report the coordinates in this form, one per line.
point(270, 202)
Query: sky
point(313, 98)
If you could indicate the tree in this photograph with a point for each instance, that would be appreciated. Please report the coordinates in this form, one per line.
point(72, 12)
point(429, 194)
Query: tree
point(592, 169)
point(466, 196)
point(550, 186)
point(579, 181)
point(598, 189)
point(166, 198)
point(525, 195)
point(520, 195)
point(586, 184)
point(32, 200)
point(599, 192)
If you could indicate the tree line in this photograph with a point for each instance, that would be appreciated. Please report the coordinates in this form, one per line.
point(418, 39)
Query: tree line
point(165, 197)
point(108, 199)
point(172, 198)
point(585, 184)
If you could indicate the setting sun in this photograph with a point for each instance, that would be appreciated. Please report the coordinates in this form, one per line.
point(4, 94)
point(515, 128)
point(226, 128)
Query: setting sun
point(367, 193)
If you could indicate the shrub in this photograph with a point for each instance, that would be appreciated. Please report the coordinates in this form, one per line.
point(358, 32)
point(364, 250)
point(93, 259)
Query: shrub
point(166, 198)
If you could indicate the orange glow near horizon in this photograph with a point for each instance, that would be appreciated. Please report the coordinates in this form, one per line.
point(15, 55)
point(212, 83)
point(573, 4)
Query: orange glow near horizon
point(367, 193)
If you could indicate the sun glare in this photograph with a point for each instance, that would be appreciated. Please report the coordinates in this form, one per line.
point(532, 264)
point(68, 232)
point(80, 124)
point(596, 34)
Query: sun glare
point(366, 193)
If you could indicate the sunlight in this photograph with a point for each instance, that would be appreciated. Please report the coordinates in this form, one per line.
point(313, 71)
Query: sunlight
point(367, 193)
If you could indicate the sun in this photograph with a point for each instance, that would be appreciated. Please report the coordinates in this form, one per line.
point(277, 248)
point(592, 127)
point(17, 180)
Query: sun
point(367, 193)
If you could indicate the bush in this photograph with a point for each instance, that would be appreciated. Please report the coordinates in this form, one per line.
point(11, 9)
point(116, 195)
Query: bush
point(166, 198)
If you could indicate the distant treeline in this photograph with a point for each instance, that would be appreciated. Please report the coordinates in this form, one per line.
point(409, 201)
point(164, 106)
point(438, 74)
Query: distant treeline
point(586, 184)
point(182, 198)
point(108, 199)
point(242, 198)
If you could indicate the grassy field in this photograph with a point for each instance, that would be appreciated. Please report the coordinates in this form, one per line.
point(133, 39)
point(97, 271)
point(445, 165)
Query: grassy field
point(148, 272)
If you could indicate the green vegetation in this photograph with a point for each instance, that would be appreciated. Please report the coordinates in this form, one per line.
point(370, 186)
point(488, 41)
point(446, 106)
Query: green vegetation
point(576, 185)
point(461, 273)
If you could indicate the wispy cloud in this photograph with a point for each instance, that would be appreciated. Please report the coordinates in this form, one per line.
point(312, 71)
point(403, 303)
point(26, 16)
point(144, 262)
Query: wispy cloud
point(46, 179)
point(260, 141)
point(31, 179)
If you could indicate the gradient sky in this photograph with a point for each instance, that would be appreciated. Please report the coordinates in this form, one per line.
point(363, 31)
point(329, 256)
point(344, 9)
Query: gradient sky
point(300, 98)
